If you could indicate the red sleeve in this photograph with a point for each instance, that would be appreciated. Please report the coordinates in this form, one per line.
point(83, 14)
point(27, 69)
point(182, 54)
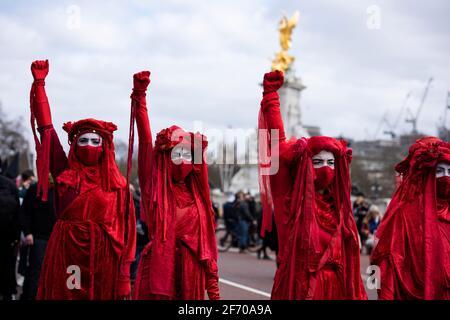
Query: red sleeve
point(128, 253)
point(145, 152)
point(50, 156)
point(212, 279)
point(270, 106)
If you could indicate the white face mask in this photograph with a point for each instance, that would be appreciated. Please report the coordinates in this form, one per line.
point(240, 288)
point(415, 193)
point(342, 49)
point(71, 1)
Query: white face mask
point(180, 154)
point(90, 139)
point(443, 170)
point(322, 159)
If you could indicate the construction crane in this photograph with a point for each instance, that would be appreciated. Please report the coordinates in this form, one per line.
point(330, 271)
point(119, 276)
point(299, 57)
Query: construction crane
point(393, 126)
point(444, 120)
point(413, 118)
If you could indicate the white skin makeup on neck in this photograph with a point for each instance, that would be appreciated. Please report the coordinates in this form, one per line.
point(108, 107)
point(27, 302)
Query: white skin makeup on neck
point(181, 153)
point(89, 139)
point(443, 169)
point(322, 159)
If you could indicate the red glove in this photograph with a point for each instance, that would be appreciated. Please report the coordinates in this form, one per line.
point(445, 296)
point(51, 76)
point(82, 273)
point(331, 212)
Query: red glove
point(141, 80)
point(39, 69)
point(273, 81)
point(40, 106)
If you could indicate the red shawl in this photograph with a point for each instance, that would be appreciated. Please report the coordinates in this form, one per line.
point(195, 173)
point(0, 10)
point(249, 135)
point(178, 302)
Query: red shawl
point(414, 241)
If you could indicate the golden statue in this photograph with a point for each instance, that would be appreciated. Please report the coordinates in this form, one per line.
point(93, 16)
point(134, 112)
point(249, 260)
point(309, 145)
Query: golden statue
point(282, 59)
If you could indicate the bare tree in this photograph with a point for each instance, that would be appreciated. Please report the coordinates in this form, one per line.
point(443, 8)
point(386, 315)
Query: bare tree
point(12, 139)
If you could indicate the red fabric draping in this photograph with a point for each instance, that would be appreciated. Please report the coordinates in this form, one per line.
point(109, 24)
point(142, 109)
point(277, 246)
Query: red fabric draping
point(95, 228)
point(319, 247)
point(180, 261)
point(413, 250)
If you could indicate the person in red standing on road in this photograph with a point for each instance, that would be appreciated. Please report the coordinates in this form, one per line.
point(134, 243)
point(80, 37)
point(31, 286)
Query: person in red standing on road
point(413, 250)
point(92, 244)
point(180, 261)
point(310, 193)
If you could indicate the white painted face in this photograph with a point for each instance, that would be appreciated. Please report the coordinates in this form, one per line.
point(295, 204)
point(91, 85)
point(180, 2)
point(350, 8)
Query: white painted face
point(89, 139)
point(322, 159)
point(443, 170)
point(181, 153)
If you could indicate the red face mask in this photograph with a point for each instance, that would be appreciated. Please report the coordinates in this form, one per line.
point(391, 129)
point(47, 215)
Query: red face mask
point(443, 187)
point(324, 177)
point(89, 155)
point(181, 171)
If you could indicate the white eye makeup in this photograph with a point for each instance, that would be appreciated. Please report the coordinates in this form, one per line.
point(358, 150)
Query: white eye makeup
point(90, 139)
point(181, 153)
point(322, 159)
point(443, 169)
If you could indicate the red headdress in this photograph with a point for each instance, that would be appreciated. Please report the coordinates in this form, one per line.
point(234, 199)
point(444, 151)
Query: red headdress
point(409, 236)
point(107, 169)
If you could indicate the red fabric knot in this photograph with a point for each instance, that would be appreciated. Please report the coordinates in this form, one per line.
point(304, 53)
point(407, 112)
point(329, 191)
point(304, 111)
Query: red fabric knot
point(39, 82)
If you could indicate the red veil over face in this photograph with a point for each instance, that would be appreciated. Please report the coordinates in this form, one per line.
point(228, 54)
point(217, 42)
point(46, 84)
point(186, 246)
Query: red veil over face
point(413, 251)
point(160, 212)
point(111, 178)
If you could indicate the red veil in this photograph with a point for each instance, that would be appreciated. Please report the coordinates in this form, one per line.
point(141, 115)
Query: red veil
point(111, 178)
point(413, 236)
point(159, 211)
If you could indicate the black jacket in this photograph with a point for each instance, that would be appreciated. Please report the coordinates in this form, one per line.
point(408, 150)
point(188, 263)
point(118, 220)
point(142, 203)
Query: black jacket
point(243, 211)
point(37, 217)
point(9, 210)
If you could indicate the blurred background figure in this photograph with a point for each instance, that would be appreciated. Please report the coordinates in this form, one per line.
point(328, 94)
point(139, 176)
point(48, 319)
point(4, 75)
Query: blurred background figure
point(37, 218)
point(369, 226)
point(9, 237)
point(230, 219)
point(269, 240)
point(255, 212)
point(26, 179)
point(245, 219)
point(360, 209)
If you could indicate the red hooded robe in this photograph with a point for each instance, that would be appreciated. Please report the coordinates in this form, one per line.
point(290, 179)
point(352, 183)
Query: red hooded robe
point(413, 251)
point(95, 228)
point(180, 261)
point(319, 246)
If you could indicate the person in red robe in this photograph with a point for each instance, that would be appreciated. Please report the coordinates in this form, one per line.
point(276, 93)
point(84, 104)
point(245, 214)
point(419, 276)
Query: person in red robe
point(310, 194)
point(92, 244)
point(180, 261)
point(413, 249)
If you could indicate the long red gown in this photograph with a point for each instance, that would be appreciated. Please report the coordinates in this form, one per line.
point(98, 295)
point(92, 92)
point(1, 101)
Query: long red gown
point(413, 251)
point(180, 261)
point(319, 247)
point(95, 226)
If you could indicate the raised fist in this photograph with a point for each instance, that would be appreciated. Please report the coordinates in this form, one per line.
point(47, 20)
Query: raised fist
point(141, 80)
point(273, 81)
point(39, 69)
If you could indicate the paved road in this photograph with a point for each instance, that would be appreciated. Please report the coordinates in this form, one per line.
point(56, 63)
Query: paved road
point(244, 277)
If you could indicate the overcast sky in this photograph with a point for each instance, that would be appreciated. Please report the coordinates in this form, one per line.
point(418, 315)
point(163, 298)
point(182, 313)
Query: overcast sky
point(207, 59)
